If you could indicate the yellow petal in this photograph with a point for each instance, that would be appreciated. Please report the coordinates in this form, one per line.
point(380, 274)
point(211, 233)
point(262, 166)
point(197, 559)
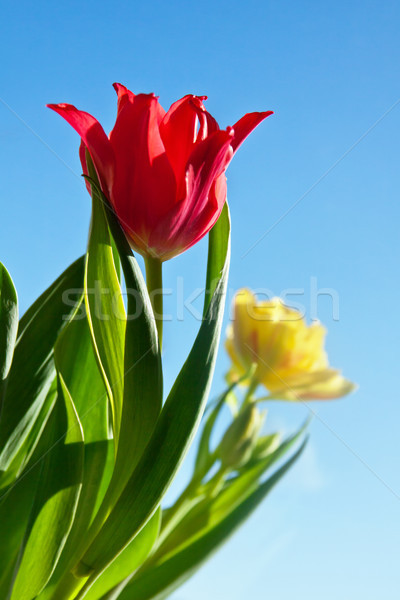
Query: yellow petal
point(243, 330)
point(317, 385)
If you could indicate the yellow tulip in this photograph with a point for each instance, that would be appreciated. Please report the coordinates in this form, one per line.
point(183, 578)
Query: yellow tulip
point(289, 355)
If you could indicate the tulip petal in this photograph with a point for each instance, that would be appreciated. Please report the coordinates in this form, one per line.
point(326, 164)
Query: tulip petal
point(326, 384)
point(212, 210)
point(245, 126)
point(82, 156)
point(124, 95)
point(189, 220)
point(215, 203)
point(208, 124)
point(208, 161)
point(335, 387)
point(94, 138)
point(144, 184)
point(178, 131)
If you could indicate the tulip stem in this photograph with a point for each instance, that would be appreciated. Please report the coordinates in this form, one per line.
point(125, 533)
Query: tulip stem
point(251, 390)
point(155, 289)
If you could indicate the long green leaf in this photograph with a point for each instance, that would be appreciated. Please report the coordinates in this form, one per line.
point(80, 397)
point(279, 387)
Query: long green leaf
point(32, 371)
point(76, 362)
point(128, 561)
point(203, 451)
point(142, 400)
point(15, 507)
point(55, 502)
point(105, 310)
point(159, 581)
point(218, 251)
point(25, 452)
point(8, 326)
point(175, 427)
point(17, 501)
point(142, 372)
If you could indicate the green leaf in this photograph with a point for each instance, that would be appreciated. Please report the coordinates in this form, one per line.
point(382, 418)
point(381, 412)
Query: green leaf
point(142, 376)
point(8, 326)
point(218, 249)
point(105, 310)
point(175, 427)
point(23, 456)
point(32, 371)
point(26, 450)
point(142, 365)
point(15, 507)
point(160, 580)
point(76, 362)
point(17, 500)
point(55, 502)
point(204, 452)
point(89, 500)
point(128, 561)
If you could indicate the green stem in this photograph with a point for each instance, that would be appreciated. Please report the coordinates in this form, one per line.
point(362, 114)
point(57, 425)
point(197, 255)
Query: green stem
point(68, 587)
point(251, 390)
point(216, 482)
point(155, 289)
point(188, 492)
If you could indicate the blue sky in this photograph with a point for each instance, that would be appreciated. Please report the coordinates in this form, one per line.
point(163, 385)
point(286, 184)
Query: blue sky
point(316, 186)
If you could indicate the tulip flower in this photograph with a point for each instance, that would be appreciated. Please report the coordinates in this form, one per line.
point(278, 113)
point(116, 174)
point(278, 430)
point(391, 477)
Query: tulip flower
point(163, 172)
point(289, 356)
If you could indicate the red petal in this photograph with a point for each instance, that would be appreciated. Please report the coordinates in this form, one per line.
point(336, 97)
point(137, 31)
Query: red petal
point(208, 124)
point(208, 160)
point(178, 131)
point(82, 156)
point(123, 92)
point(144, 185)
point(94, 138)
point(212, 210)
point(245, 126)
point(190, 219)
point(124, 95)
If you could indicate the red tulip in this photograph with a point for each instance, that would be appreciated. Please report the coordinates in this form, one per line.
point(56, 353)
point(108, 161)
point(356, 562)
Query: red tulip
point(164, 173)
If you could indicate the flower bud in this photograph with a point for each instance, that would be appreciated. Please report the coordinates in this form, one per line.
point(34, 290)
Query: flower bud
point(237, 445)
point(266, 445)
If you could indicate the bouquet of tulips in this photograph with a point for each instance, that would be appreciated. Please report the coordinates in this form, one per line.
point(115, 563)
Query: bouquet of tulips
point(89, 445)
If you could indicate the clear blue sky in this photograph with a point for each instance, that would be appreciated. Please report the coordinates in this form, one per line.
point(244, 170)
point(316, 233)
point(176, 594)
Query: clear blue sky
point(331, 73)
